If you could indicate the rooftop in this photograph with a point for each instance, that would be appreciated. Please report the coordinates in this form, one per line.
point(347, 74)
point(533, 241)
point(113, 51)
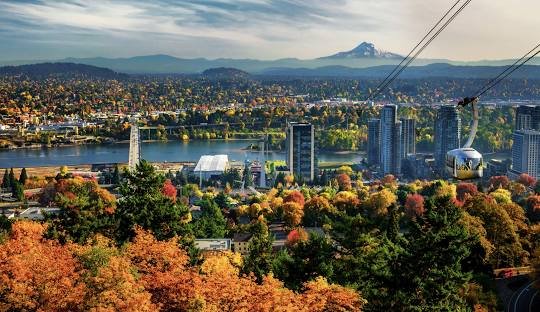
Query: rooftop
point(212, 163)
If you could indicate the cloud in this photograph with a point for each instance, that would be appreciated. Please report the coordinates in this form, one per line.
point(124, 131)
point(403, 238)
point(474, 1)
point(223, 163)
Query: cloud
point(251, 28)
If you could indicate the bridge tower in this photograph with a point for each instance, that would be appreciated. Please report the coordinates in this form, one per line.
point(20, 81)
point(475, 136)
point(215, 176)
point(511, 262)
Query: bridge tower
point(134, 145)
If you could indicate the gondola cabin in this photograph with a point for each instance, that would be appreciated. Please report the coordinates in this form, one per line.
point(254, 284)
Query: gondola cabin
point(464, 163)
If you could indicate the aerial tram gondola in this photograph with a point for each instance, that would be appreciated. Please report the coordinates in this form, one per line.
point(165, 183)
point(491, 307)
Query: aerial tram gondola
point(466, 163)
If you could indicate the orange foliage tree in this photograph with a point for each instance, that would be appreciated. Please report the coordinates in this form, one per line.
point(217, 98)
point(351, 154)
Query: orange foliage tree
point(344, 182)
point(37, 274)
point(169, 190)
point(464, 189)
point(496, 182)
point(526, 180)
point(414, 205)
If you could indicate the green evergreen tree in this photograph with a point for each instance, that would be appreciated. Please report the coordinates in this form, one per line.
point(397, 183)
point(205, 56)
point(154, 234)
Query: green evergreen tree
point(211, 223)
point(144, 204)
point(12, 179)
point(248, 176)
point(17, 190)
point(23, 177)
point(259, 258)
point(5, 180)
point(116, 175)
point(430, 276)
point(304, 261)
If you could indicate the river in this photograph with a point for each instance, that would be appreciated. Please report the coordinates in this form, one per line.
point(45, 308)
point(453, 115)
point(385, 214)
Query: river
point(171, 151)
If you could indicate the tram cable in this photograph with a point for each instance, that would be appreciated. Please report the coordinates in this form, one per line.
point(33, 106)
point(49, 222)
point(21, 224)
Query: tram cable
point(508, 71)
point(408, 59)
point(415, 47)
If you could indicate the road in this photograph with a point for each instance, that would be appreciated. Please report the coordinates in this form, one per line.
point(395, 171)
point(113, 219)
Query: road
point(526, 299)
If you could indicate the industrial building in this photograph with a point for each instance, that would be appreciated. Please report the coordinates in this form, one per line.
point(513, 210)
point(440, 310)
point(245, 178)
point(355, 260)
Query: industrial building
point(211, 166)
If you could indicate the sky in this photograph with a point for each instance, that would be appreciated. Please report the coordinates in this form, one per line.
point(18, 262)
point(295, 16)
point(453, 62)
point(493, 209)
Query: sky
point(261, 29)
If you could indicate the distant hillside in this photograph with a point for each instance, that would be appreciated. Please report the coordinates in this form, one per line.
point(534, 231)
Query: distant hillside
point(225, 73)
point(413, 72)
point(60, 69)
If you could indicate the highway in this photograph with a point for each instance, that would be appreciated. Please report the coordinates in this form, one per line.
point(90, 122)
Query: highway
point(526, 299)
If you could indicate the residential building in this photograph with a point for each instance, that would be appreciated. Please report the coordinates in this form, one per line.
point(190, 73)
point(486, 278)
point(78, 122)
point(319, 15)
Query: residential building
point(240, 242)
point(418, 166)
point(390, 140)
point(213, 244)
point(408, 137)
point(301, 159)
point(374, 142)
point(447, 134)
point(526, 154)
point(527, 117)
point(497, 167)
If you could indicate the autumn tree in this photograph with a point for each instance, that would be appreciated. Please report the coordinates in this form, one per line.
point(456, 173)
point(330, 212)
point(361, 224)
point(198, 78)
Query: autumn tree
point(316, 211)
point(344, 182)
point(496, 182)
point(500, 229)
point(533, 207)
point(414, 205)
point(143, 203)
point(296, 197)
point(169, 190)
point(347, 202)
point(526, 180)
point(85, 209)
point(464, 189)
point(37, 274)
point(378, 202)
point(110, 280)
point(292, 213)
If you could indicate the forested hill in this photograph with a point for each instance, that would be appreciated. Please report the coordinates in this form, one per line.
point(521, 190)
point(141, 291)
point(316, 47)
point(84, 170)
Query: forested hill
point(414, 72)
point(225, 73)
point(42, 70)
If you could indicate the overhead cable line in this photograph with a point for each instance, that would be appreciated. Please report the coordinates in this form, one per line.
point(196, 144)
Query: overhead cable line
point(408, 59)
point(415, 47)
point(508, 71)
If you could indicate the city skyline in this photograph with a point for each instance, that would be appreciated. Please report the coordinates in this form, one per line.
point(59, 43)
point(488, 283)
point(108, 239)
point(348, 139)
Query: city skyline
point(259, 29)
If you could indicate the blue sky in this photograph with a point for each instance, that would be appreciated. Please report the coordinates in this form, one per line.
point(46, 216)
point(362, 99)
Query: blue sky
point(263, 29)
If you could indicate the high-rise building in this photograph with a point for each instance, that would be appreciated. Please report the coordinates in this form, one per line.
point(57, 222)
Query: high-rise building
point(526, 153)
point(301, 159)
point(527, 117)
point(408, 137)
point(374, 142)
point(447, 133)
point(390, 140)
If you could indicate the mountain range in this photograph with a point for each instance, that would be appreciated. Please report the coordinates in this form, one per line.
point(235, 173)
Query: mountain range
point(365, 60)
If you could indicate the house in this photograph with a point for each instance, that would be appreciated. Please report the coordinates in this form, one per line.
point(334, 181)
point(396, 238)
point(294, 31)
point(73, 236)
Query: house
point(240, 242)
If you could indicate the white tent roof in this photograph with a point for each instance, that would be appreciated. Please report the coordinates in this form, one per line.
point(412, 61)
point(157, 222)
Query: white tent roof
point(212, 163)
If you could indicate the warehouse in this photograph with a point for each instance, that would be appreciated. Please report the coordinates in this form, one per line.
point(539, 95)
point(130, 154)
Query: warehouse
point(211, 166)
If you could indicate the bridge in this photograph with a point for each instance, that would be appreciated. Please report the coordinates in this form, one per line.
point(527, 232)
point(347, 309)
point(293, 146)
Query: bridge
point(134, 145)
